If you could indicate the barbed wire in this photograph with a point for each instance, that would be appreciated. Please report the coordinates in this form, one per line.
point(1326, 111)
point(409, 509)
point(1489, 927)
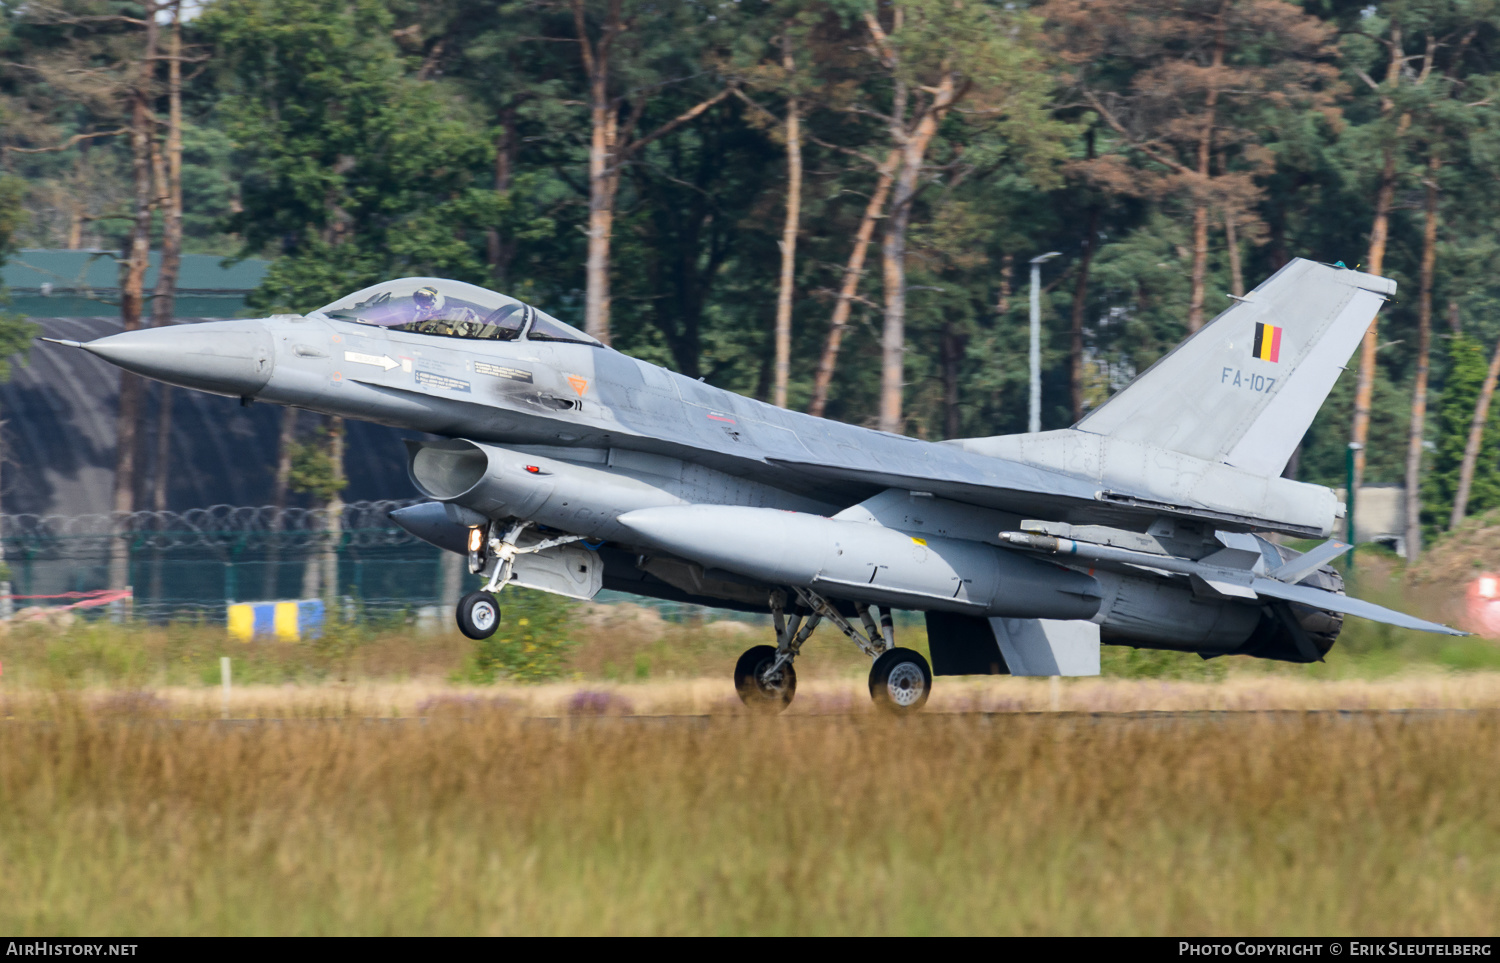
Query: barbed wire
point(362, 524)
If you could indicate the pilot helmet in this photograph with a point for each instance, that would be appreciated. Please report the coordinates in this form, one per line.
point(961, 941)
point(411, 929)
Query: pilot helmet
point(427, 299)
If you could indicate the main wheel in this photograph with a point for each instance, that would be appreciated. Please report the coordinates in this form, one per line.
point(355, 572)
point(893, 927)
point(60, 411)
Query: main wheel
point(478, 615)
point(900, 681)
point(769, 695)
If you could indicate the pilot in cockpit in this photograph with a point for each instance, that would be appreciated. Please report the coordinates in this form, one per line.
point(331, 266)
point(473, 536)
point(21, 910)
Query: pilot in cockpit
point(435, 316)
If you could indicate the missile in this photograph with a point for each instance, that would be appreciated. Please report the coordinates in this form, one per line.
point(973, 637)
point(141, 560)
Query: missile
point(866, 562)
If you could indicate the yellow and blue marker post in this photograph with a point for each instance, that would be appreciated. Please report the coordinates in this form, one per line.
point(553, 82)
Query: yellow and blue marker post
point(284, 621)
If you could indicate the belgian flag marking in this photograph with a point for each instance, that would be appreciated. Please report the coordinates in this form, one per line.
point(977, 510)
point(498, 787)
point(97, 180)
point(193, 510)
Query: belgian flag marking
point(1267, 342)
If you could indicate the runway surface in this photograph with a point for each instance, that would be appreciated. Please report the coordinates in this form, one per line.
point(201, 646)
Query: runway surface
point(1147, 719)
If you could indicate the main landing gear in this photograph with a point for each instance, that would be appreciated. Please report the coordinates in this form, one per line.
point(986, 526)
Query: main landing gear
point(764, 677)
point(478, 613)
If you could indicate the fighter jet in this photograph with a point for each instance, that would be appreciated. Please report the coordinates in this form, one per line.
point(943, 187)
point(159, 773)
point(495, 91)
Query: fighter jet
point(563, 465)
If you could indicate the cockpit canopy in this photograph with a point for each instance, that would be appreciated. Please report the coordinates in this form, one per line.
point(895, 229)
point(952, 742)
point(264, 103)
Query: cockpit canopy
point(450, 309)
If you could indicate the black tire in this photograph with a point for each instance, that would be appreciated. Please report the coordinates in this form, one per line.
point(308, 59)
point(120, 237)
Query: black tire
point(900, 681)
point(757, 694)
point(478, 615)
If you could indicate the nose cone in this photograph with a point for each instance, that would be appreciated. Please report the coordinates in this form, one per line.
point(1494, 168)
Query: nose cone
point(225, 357)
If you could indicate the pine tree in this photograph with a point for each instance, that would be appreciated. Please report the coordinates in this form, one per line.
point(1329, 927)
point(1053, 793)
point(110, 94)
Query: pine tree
point(1467, 366)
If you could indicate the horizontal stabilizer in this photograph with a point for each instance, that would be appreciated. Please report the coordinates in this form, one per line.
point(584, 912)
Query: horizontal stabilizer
point(1321, 599)
point(1294, 570)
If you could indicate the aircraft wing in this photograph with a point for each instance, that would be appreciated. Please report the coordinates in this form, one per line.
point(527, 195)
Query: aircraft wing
point(1006, 486)
point(1033, 492)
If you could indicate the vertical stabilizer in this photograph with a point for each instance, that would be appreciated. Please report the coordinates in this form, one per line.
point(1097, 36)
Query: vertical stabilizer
point(1245, 388)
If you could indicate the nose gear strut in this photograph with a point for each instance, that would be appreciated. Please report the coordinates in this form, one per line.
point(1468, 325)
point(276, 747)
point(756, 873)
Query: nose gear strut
point(504, 552)
point(478, 613)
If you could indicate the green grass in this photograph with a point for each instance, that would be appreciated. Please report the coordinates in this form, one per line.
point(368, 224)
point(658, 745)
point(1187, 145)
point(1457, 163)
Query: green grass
point(543, 637)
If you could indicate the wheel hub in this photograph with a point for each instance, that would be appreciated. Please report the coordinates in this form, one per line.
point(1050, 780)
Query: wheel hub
point(483, 615)
point(905, 684)
point(770, 681)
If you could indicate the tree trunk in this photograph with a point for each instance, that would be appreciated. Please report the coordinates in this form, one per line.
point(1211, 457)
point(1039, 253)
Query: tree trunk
point(1365, 387)
point(1454, 323)
point(601, 224)
point(953, 345)
point(608, 147)
point(604, 175)
point(75, 227)
point(788, 234)
point(335, 513)
point(452, 570)
point(498, 252)
point(1476, 435)
point(1200, 202)
point(132, 300)
point(1419, 389)
point(852, 273)
point(1080, 302)
point(284, 444)
point(1232, 243)
point(893, 335)
point(159, 486)
point(893, 339)
point(163, 304)
point(1007, 267)
point(7, 603)
point(1200, 267)
point(1375, 263)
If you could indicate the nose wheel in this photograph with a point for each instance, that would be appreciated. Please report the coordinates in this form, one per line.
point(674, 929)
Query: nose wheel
point(478, 615)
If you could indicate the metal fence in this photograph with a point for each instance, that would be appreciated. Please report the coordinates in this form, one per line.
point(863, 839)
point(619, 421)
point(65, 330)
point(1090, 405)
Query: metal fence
point(191, 564)
point(194, 564)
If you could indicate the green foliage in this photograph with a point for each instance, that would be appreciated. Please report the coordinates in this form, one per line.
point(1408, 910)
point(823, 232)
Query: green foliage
point(209, 191)
point(1467, 368)
point(12, 213)
point(1325, 448)
point(1122, 662)
point(531, 643)
point(16, 332)
point(357, 140)
point(313, 471)
point(355, 170)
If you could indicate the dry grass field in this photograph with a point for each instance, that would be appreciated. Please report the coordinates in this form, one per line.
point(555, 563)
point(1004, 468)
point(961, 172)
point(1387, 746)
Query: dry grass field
point(497, 823)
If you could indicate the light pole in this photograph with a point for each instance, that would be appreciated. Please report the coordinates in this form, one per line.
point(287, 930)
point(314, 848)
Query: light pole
point(1034, 422)
point(1354, 448)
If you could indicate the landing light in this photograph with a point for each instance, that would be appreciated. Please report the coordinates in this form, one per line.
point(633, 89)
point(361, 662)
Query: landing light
point(476, 539)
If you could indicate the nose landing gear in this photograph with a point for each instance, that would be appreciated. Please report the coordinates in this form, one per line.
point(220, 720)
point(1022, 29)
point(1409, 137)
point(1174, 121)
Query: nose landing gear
point(478, 613)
